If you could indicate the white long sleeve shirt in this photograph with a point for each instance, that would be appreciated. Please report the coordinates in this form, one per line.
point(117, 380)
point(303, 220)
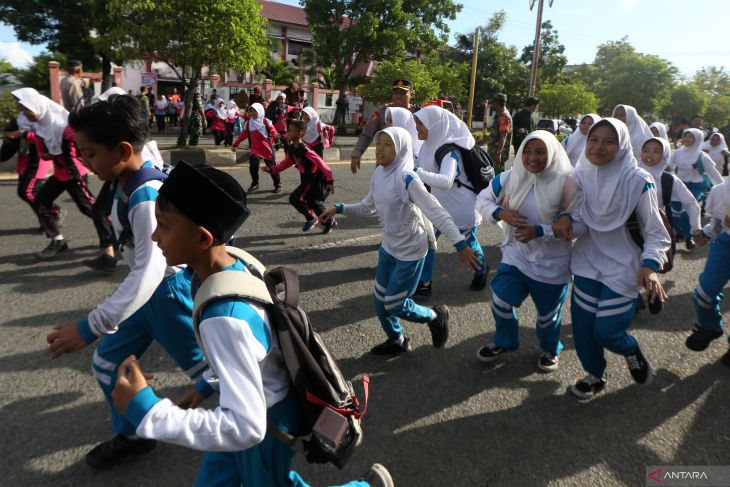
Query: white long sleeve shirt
point(544, 258)
point(689, 174)
point(681, 194)
point(458, 201)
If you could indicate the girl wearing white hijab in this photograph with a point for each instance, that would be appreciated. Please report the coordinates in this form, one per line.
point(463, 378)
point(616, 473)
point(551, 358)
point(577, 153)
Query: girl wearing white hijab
point(437, 127)
point(684, 209)
point(606, 261)
point(708, 293)
point(576, 142)
point(527, 198)
point(638, 129)
point(50, 122)
point(658, 129)
point(398, 196)
point(260, 132)
point(312, 137)
point(717, 149)
point(401, 117)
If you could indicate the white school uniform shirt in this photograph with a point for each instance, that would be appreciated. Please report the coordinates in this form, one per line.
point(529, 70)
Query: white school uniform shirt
point(716, 153)
point(145, 260)
point(718, 207)
point(544, 259)
point(684, 159)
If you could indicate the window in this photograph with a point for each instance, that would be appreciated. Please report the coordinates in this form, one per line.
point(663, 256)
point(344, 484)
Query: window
point(328, 100)
point(295, 48)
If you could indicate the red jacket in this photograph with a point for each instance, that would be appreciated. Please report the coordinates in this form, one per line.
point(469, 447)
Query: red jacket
point(312, 166)
point(259, 145)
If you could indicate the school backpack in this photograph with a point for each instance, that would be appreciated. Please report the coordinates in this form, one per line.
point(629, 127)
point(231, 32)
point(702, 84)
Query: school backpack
point(330, 408)
point(135, 181)
point(665, 210)
point(477, 166)
point(326, 134)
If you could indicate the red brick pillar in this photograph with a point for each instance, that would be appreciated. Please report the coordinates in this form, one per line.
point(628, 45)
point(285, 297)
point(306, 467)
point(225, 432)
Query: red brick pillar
point(214, 80)
point(268, 84)
point(117, 76)
point(53, 75)
point(314, 89)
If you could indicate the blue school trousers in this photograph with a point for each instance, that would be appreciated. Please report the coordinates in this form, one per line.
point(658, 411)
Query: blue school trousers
point(166, 317)
point(395, 282)
point(708, 293)
point(680, 219)
point(510, 287)
point(471, 240)
point(600, 320)
point(266, 464)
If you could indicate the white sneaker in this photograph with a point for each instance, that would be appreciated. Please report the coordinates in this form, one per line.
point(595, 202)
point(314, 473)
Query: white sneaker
point(378, 476)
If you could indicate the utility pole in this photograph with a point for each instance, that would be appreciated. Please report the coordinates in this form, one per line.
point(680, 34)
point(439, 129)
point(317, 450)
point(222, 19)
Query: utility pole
point(536, 47)
point(472, 83)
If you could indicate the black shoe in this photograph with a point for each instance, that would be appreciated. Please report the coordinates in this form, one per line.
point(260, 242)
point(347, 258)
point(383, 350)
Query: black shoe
point(252, 188)
point(104, 263)
point(332, 223)
point(725, 359)
point(389, 348)
point(61, 217)
point(588, 387)
point(53, 249)
point(439, 326)
point(700, 338)
point(690, 243)
point(109, 453)
point(489, 354)
point(478, 283)
point(423, 289)
point(309, 224)
point(639, 367)
point(548, 362)
point(277, 189)
point(656, 307)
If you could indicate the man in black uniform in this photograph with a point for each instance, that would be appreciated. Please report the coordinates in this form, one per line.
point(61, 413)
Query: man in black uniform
point(525, 121)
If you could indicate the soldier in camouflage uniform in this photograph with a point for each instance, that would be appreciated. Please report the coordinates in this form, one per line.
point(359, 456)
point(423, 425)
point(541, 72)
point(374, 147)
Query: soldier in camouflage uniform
point(401, 97)
point(197, 119)
point(500, 132)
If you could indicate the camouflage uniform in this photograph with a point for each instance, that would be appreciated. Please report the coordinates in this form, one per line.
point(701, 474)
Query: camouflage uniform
point(503, 121)
point(195, 129)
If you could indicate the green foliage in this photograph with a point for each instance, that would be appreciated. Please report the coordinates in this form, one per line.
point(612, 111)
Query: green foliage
point(278, 71)
point(684, 101)
point(564, 99)
point(449, 75)
point(379, 88)
point(717, 113)
point(8, 108)
point(36, 75)
point(713, 81)
point(6, 67)
point(551, 61)
point(347, 33)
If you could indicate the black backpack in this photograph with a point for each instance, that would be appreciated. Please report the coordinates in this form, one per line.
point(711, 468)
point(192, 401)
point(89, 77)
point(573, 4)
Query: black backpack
point(477, 166)
point(330, 408)
point(665, 210)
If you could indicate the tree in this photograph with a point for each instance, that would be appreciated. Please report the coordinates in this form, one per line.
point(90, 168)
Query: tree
point(75, 28)
point(684, 101)
point(551, 61)
point(278, 71)
point(562, 99)
point(713, 81)
point(8, 108)
point(347, 33)
point(378, 89)
point(717, 113)
point(36, 75)
point(229, 34)
point(448, 74)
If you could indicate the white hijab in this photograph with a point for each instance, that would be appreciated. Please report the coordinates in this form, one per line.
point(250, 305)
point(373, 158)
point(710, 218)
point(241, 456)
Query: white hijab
point(404, 118)
point(232, 109)
point(221, 111)
point(114, 90)
point(638, 129)
point(688, 155)
point(24, 124)
point(52, 118)
point(443, 128)
point(661, 128)
point(257, 124)
point(576, 142)
point(548, 184)
point(612, 191)
point(311, 134)
point(715, 152)
point(657, 170)
point(388, 187)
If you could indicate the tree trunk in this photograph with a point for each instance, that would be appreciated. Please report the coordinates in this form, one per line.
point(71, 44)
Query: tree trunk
point(106, 72)
point(188, 93)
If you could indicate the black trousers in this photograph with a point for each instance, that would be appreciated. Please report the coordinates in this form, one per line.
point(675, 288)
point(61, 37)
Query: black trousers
point(160, 123)
point(253, 169)
point(219, 136)
point(308, 198)
point(28, 187)
point(229, 134)
point(78, 189)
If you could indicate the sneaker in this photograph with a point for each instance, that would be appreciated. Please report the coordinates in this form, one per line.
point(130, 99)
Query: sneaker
point(378, 476)
point(252, 188)
point(548, 362)
point(725, 359)
point(104, 263)
point(439, 326)
point(332, 223)
point(588, 387)
point(639, 367)
point(478, 283)
point(489, 354)
point(700, 338)
point(277, 189)
point(309, 224)
point(389, 348)
point(61, 217)
point(109, 453)
point(54, 248)
point(689, 243)
point(423, 289)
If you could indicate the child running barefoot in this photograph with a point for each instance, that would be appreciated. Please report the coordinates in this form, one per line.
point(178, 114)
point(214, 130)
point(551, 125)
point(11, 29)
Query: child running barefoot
point(528, 198)
point(399, 196)
point(608, 267)
point(708, 294)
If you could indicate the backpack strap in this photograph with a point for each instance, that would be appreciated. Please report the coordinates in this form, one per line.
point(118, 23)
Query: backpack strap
point(445, 149)
point(667, 183)
point(135, 181)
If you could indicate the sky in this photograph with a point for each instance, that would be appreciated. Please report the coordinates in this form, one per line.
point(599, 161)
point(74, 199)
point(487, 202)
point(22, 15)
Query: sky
point(688, 33)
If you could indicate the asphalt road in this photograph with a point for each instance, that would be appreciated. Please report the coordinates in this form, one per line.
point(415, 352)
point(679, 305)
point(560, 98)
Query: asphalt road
point(436, 417)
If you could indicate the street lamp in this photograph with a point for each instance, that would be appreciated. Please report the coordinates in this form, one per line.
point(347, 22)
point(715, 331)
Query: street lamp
point(536, 48)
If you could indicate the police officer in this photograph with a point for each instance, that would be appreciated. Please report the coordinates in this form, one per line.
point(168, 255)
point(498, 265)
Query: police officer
point(500, 132)
point(401, 97)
